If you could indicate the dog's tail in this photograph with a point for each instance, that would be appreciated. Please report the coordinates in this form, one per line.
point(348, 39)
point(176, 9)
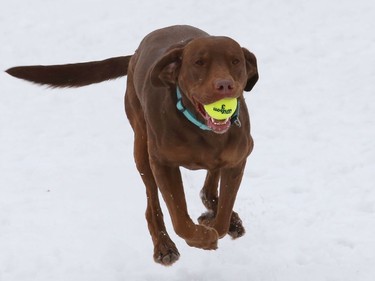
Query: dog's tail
point(73, 75)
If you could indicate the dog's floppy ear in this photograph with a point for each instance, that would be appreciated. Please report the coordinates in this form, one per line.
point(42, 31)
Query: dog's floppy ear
point(251, 68)
point(165, 71)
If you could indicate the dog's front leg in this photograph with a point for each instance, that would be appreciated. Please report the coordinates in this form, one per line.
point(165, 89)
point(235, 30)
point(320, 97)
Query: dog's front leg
point(170, 184)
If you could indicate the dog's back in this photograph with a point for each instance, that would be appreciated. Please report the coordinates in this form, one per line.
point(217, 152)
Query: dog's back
point(82, 74)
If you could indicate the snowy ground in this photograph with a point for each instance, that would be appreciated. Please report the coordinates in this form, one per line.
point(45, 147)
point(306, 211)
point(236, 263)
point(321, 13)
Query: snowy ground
point(72, 204)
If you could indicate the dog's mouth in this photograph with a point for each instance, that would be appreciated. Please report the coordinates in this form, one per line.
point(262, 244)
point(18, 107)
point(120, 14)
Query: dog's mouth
point(217, 126)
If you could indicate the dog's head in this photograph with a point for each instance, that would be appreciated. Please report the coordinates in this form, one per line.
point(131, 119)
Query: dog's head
point(207, 69)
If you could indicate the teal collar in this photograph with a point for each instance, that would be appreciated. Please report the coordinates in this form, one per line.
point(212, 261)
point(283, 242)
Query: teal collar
point(191, 117)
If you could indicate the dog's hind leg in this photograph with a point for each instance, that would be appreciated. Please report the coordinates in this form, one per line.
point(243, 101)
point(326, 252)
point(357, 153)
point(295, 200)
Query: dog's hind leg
point(209, 193)
point(209, 196)
point(165, 251)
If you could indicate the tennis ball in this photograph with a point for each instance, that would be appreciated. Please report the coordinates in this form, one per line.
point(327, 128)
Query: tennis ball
point(221, 109)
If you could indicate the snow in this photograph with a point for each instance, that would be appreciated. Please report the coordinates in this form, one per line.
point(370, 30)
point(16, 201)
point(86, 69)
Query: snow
point(72, 203)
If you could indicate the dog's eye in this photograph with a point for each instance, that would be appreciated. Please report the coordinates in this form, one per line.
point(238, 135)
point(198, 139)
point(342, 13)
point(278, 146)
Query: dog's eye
point(199, 62)
point(235, 61)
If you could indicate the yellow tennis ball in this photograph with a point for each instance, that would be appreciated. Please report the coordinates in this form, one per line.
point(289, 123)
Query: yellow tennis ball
point(221, 109)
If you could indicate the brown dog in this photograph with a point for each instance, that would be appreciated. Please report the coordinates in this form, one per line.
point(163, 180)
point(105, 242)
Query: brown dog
point(171, 76)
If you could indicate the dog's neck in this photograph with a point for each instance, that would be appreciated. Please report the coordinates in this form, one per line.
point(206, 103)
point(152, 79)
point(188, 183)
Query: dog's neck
point(187, 113)
point(193, 119)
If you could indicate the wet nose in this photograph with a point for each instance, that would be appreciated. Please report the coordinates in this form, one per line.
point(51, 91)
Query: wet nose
point(224, 86)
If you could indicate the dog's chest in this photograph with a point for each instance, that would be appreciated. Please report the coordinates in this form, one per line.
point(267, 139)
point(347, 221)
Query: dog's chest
point(201, 153)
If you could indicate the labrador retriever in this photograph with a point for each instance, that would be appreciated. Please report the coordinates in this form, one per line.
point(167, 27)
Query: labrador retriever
point(172, 75)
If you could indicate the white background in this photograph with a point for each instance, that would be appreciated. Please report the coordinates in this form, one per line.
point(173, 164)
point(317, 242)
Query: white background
point(72, 203)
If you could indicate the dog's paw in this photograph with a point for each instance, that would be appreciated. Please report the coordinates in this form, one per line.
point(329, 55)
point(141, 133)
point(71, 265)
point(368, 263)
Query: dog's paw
point(236, 228)
point(204, 238)
point(166, 257)
point(165, 251)
point(207, 218)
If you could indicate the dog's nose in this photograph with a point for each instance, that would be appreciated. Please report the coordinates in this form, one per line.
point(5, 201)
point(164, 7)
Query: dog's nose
point(224, 86)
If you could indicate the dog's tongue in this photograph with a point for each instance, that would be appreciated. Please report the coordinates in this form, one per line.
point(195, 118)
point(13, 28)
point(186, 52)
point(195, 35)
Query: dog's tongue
point(218, 126)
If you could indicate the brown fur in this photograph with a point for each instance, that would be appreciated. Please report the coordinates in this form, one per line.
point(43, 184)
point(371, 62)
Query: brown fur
point(73, 75)
point(206, 69)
